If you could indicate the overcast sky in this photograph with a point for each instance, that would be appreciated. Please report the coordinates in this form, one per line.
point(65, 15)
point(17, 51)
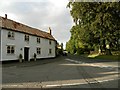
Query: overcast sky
point(41, 14)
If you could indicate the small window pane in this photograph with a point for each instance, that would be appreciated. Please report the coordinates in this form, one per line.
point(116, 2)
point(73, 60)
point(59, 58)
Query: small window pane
point(12, 51)
point(12, 34)
point(8, 51)
point(8, 47)
point(12, 48)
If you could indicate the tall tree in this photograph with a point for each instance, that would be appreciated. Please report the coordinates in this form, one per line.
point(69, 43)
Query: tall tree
point(96, 24)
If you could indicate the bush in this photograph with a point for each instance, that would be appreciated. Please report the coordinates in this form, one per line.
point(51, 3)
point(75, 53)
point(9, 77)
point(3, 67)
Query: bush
point(80, 51)
point(20, 56)
point(35, 55)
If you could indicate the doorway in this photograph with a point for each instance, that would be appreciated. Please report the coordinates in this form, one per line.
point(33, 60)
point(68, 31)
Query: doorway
point(26, 53)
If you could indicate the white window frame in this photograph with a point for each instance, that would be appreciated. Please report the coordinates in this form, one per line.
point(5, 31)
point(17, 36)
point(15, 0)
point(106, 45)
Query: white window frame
point(50, 51)
point(11, 35)
point(26, 37)
point(38, 40)
point(38, 50)
point(11, 49)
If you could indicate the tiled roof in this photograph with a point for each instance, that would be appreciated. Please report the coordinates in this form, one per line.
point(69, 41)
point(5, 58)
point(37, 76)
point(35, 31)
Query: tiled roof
point(15, 26)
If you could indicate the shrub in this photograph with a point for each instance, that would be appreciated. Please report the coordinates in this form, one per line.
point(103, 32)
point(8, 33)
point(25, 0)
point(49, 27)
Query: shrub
point(20, 56)
point(35, 55)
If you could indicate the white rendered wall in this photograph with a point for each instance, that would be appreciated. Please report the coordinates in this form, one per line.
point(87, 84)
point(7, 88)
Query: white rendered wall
point(0, 46)
point(20, 43)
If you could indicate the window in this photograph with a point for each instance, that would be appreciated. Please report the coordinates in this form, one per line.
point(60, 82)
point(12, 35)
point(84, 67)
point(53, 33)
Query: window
point(50, 51)
point(11, 35)
point(10, 49)
point(38, 39)
point(26, 37)
point(38, 50)
point(50, 42)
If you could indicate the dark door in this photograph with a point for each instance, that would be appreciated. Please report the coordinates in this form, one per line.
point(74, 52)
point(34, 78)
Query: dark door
point(26, 53)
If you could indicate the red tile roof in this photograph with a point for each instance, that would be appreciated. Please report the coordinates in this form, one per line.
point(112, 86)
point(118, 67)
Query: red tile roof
point(15, 26)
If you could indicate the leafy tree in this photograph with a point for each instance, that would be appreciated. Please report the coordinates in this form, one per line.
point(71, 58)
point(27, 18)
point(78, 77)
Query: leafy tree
point(96, 24)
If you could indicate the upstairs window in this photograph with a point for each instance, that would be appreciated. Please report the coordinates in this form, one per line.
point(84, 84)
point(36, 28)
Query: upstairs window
point(10, 49)
point(38, 39)
point(26, 37)
point(38, 50)
point(50, 42)
point(11, 35)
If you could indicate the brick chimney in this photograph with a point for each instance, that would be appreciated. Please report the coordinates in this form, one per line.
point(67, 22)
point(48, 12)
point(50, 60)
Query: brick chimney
point(49, 31)
point(5, 16)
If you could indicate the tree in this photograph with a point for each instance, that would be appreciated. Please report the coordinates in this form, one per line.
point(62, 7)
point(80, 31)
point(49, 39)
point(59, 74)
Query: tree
point(96, 24)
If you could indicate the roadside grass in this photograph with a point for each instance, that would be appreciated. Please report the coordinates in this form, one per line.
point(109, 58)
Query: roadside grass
point(107, 57)
point(115, 56)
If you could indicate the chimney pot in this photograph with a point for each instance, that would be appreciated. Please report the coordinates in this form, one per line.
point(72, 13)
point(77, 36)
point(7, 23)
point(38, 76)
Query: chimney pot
point(5, 16)
point(49, 31)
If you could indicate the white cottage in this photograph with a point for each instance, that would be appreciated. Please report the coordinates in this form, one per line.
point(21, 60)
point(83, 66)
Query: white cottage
point(17, 38)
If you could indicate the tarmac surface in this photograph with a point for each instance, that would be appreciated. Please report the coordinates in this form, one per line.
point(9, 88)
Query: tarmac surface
point(61, 72)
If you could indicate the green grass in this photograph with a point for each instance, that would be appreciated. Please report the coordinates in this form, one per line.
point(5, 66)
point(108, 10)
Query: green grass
point(107, 57)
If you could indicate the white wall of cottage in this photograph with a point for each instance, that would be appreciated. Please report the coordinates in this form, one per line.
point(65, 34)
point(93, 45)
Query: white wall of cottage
point(0, 45)
point(20, 43)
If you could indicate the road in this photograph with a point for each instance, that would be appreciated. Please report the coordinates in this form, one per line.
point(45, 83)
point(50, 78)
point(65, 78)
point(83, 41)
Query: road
point(61, 72)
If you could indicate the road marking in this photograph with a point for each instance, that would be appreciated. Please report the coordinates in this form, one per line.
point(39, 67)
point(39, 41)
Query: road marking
point(107, 80)
point(95, 65)
point(56, 85)
point(53, 83)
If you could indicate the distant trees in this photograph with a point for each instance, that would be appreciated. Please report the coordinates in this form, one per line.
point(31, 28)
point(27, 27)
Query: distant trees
point(97, 26)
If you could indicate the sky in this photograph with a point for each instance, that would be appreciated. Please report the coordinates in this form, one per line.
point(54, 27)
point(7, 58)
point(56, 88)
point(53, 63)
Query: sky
point(41, 14)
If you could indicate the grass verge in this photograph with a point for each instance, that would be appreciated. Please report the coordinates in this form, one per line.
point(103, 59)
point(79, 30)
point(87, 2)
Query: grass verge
point(107, 57)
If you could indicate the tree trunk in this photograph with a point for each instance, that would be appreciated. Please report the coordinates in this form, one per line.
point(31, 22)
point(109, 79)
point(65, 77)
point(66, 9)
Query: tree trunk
point(100, 50)
point(108, 51)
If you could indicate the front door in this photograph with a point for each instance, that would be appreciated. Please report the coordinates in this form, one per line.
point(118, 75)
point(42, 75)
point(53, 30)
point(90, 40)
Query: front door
point(26, 53)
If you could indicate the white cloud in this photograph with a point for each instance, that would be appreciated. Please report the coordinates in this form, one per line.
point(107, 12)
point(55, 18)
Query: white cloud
point(40, 14)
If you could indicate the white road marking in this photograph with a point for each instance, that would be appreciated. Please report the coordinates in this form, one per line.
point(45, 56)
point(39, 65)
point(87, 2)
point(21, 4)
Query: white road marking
point(61, 82)
point(52, 85)
point(56, 85)
point(95, 65)
point(106, 80)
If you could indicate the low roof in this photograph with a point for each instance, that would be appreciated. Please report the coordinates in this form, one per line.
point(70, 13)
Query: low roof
point(19, 27)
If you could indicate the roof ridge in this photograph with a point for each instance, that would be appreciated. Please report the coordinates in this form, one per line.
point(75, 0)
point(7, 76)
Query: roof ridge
point(20, 27)
point(24, 24)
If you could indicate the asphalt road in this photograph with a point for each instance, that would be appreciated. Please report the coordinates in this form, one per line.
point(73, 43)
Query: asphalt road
point(61, 72)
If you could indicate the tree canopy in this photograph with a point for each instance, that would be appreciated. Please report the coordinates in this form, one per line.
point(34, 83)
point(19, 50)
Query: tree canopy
point(97, 25)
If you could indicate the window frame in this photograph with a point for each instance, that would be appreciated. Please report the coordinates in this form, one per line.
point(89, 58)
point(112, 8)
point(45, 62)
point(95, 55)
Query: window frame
point(50, 51)
point(38, 40)
point(38, 50)
point(26, 38)
point(11, 49)
point(11, 35)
